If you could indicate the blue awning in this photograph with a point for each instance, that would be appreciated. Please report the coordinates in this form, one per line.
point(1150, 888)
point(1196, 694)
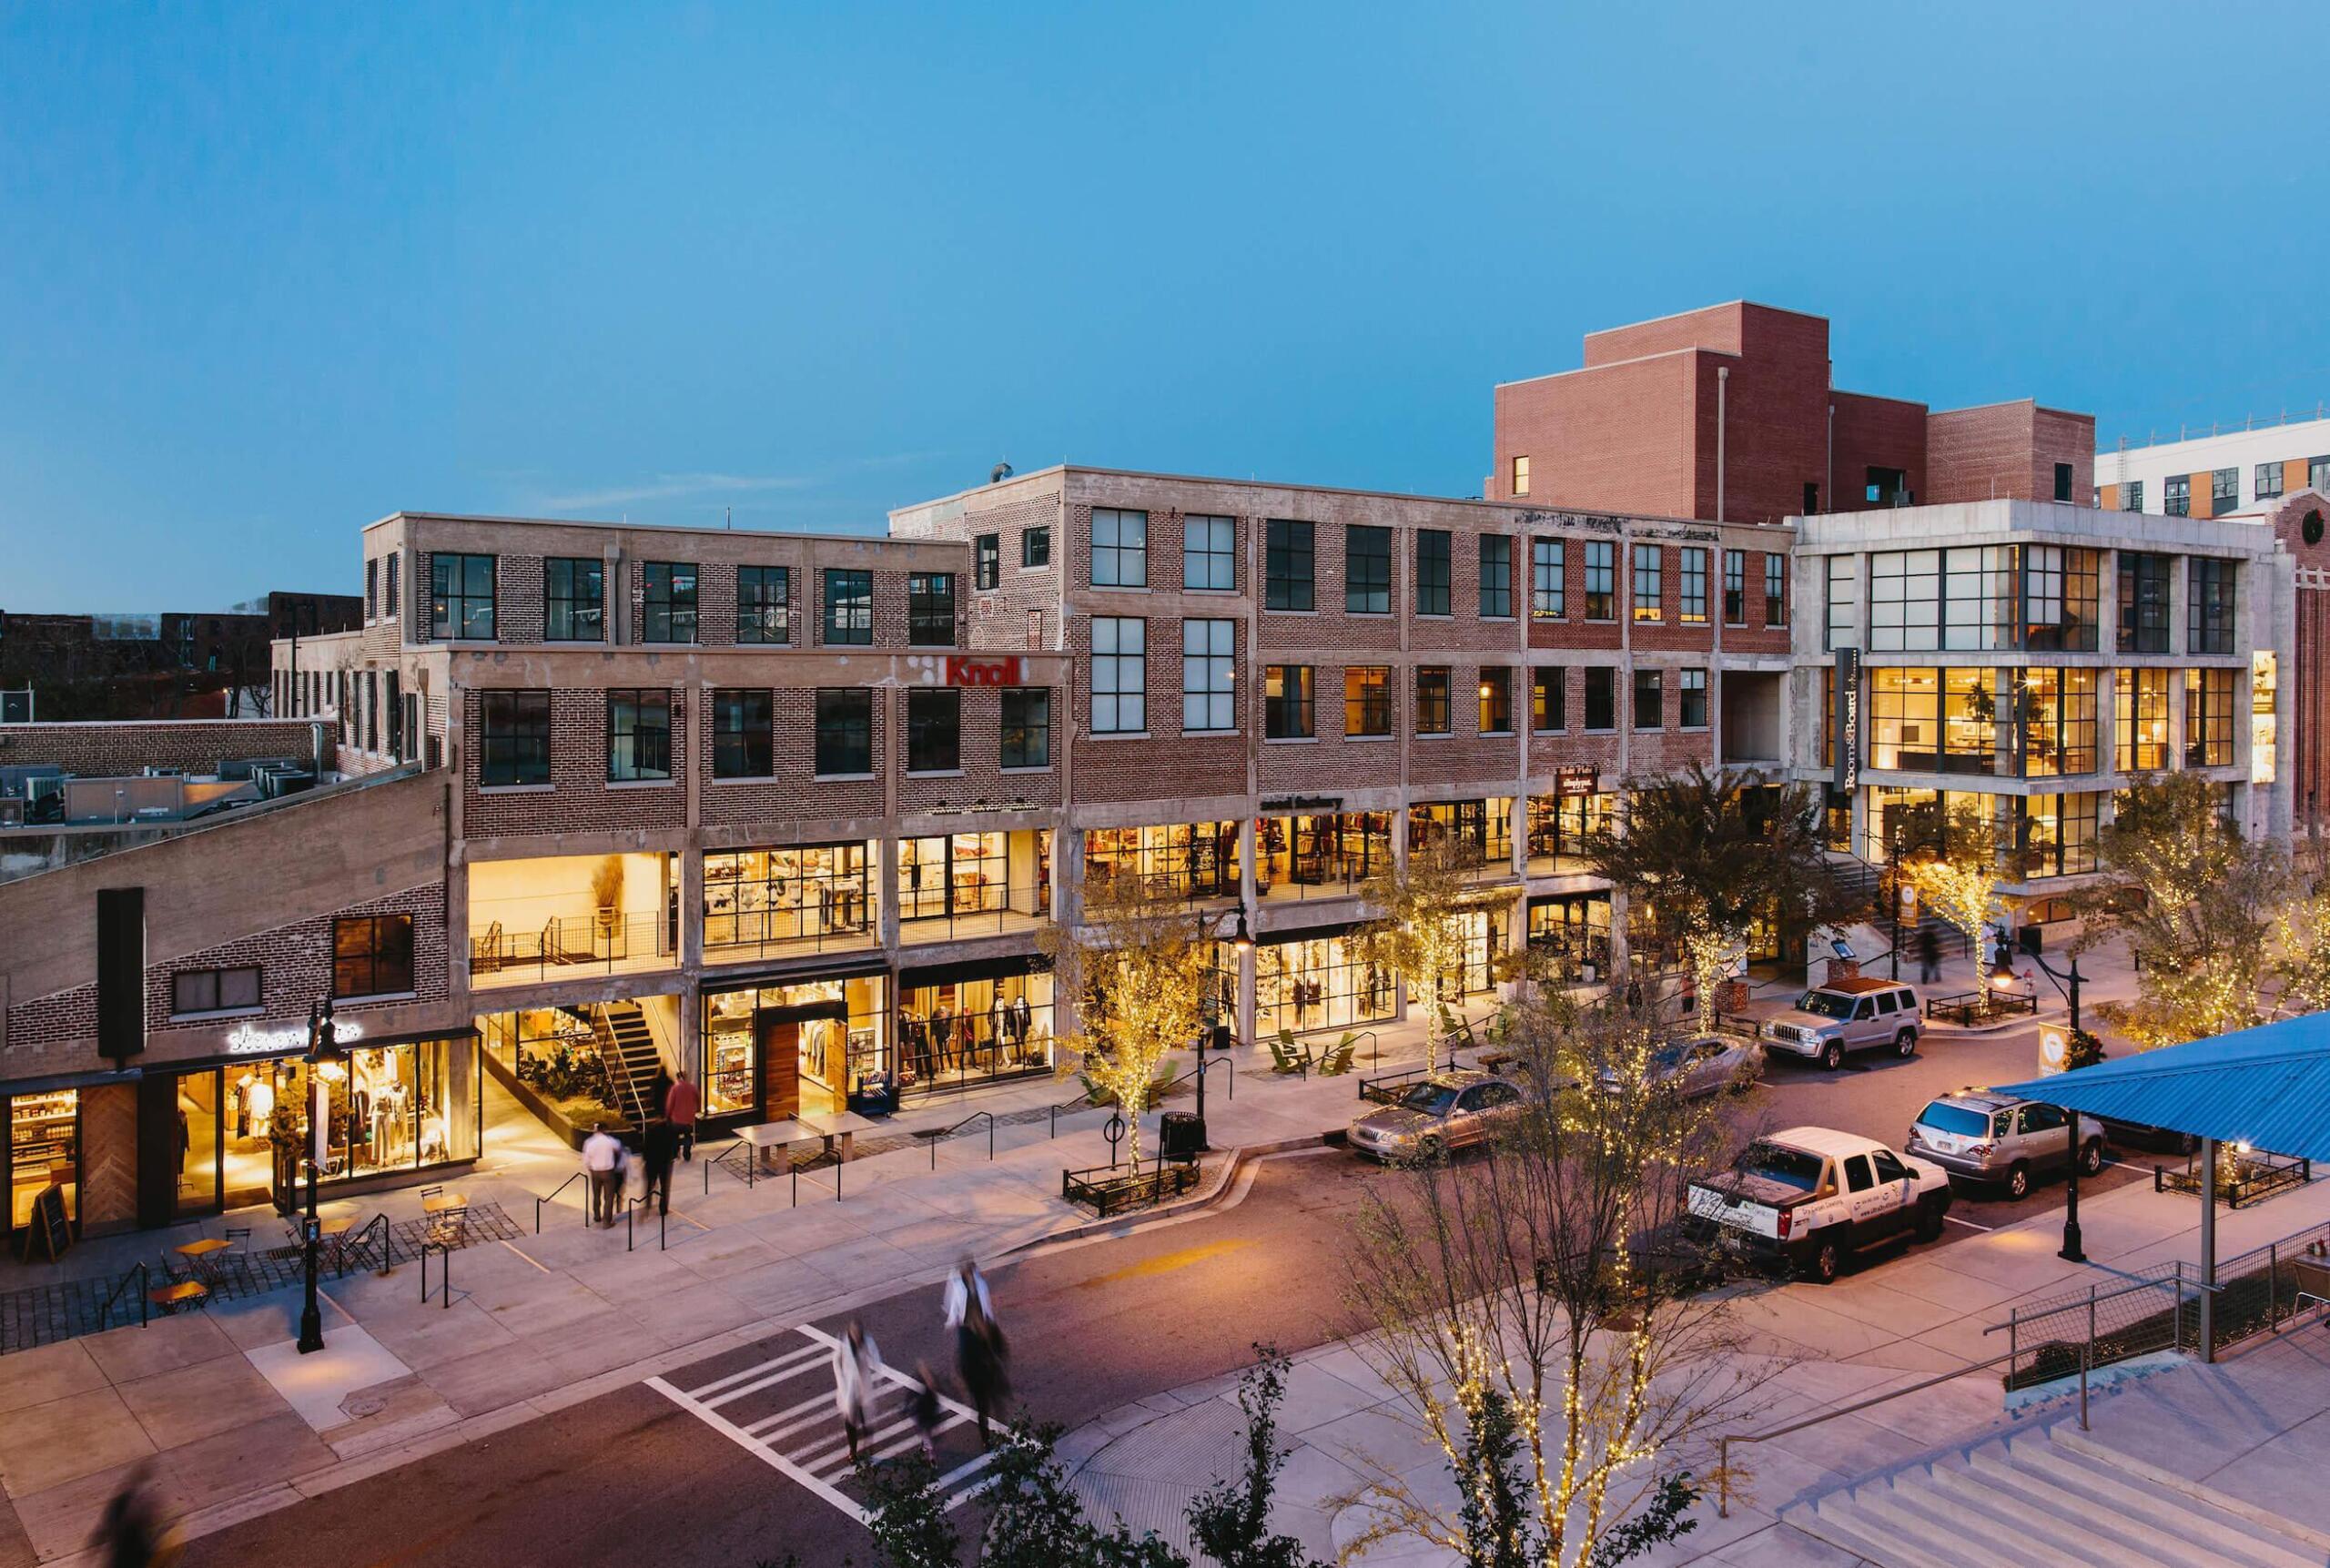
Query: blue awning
point(2268, 1087)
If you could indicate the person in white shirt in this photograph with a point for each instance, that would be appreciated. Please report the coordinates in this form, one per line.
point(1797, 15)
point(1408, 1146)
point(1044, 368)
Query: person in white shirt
point(603, 1161)
point(856, 1363)
point(964, 1286)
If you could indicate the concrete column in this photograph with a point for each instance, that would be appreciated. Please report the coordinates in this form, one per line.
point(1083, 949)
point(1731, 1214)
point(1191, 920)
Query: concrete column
point(886, 871)
point(1621, 958)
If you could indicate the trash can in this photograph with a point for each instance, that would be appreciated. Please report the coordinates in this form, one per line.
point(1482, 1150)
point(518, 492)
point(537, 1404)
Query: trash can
point(1181, 1135)
point(2033, 938)
point(1222, 1036)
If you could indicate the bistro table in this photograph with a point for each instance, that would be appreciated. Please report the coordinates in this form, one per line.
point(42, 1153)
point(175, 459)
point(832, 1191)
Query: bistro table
point(199, 1254)
point(440, 1202)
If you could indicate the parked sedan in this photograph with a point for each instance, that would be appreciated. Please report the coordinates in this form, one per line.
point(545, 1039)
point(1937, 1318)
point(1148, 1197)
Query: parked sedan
point(1442, 1110)
point(1701, 1065)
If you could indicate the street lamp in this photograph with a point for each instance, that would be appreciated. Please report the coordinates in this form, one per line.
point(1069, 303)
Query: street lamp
point(2068, 983)
point(324, 1056)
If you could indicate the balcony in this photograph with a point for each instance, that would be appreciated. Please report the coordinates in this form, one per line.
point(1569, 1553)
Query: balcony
point(972, 909)
point(534, 920)
point(842, 921)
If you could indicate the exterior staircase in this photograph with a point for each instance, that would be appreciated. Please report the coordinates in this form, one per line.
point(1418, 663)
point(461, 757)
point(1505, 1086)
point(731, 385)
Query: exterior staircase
point(1865, 883)
point(628, 1048)
point(2055, 1498)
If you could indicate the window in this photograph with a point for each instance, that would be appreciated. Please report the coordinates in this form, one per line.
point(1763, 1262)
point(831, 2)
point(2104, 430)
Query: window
point(1496, 700)
point(461, 600)
point(1521, 476)
point(2208, 718)
point(371, 956)
point(373, 590)
point(1496, 577)
point(1431, 702)
point(2058, 835)
point(2059, 721)
point(740, 736)
point(1857, 1178)
point(1289, 564)
point(394, 701)
point(1904, 704)
point(930, 608)
point(765, 604)
point(1691, 699)
point(1119, 675)
point(2145, 585)
point(1548, 700)
point(1887, 487)
point(2131, 496)
point(1695, 586)
point(1601, 580)
point(1120, 548)
point(668, 613)
point(1367, 699)
point(1286, 703)
point(986, 560)
point(934, 733)
point(514, 738)
point(1208, 652)
point(1547, 591)
point(1036, 547)
point(2062, 481)
point(2269, 484)
point(2176, 495)
point(574, 600)
point(1647, 586)
point(1027, 727)
point(1601, 698)
point(1735, 588)
point(215, 990)
point(845, 731)
point(2140, 720)
point(2209, 605)
point(849, 606)
point(2225, 492)
point(1905, 601)
point(1840, 625)
point(1432, 571)
point(639, 735)
point(2061, 600)
point(1650, 699)
point(371, 692)
point(2317, 474)
point(388, 599)
point(1210, 554)
point(1775, 589)
point(1367, 569)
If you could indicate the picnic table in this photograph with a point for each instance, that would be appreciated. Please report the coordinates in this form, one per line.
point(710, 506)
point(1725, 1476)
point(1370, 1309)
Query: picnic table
point(835, 1130)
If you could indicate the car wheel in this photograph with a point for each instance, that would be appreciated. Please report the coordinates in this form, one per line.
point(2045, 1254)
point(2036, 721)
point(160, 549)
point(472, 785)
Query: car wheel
point(1930, 1220)
point(1905, 1044)
point(1832, 1055)
point(2018, 1180)
point(2090, 1157)
point(1824, 1262)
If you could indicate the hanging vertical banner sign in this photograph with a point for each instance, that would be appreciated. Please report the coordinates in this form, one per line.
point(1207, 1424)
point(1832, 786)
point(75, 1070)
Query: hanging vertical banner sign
point(1845, 722)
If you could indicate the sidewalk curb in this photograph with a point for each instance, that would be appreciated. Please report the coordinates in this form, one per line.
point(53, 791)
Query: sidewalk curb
point(1240, 1156)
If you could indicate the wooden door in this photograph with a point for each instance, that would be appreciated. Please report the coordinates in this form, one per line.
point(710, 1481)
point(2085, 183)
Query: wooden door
point(779, 1049)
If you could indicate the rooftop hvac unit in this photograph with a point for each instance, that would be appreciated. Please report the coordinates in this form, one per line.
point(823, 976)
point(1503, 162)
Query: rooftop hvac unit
point(17, 707)
point(12, 812)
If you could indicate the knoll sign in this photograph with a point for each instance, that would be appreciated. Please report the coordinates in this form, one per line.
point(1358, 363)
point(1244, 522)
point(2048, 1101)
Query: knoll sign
point(996, 669)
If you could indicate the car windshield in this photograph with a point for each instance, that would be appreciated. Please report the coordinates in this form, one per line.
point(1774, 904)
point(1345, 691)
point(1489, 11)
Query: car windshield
point(1433, 1099)
point(1790, 1167)
point(1826, 1004)
point(1946, 1117)
point(1667, 1059)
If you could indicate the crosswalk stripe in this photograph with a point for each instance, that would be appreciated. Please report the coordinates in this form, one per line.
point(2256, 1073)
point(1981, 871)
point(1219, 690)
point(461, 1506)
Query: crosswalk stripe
point(735, 1435)
point(761, 1427)
point(836, 1448)
point(775, 1372)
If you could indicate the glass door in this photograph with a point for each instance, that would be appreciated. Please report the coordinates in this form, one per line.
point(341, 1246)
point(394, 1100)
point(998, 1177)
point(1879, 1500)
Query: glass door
point(201, 1142)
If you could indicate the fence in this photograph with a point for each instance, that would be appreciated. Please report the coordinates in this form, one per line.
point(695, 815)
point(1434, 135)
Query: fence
point(590, 942)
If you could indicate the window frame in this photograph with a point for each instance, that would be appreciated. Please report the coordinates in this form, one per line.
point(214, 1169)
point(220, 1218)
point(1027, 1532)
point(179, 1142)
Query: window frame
point(1520, 474)
point(1646, 586)
point(522, 742)
point(744, 729)
point(1208, 540)
point(445, 623)
point(1735, 588)
point(675, 608)
point(1605, 676)
point(1691, 683)
point(1601, 566)
point(757, 613)
point(219, 1005)
point(1691, 585)
point(1367, 569)
point(578, 608)
point(841, 714)
point(1279, 705)
point(1127, 558)
point(1116, 662)
point(929, 609)
point(2278, 478)
point(987, 562)
point(1650, 681)
point(1495, 715)
point(1290, 564)
point(1367, 699)
point(1495, 551)
point(1033, 724)
point(386, 958)
point(2211, 604)
point(636, 703)
point(934, 730)
point(1213, 698)
point(1548, 583)
point(1036, 547)
point(843, 605)
point(1434, 715)
point(1435, 550)
point(1548, 717)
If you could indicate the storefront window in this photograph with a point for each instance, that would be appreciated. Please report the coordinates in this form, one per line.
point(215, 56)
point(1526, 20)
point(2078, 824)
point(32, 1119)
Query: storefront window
point(1573, 933)
point(770, 1052)
point(1173, 860)
point(1560, 824)
point(964, 1030)
point(2059, 718)
point(1321, 856)
point(1477, 972)
point(1319, 984)
point(389, 1108)
point(44, 1149)
point(816, 895)
point(1481, 830)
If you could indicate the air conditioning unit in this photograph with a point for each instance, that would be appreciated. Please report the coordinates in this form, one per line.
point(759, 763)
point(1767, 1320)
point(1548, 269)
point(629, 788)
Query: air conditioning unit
point(17, 707)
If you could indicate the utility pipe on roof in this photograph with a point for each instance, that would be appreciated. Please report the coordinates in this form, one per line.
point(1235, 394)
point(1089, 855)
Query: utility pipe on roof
point(1722, 386)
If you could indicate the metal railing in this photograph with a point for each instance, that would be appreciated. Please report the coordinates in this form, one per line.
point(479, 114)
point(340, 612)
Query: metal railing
point(144, 1278)
point(2136, 1325)
point(357, 1242)
point(588, 945)
point(934, 1137)
point(587, 1208)
point(760, 932)
point(2241, 1178)
point(444, 1250)
point(1112, 1189)
point(930, 915)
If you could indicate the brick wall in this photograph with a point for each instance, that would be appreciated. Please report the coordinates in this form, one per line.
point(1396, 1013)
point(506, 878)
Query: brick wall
point(100, 750)
point(1876, 432)
point(981, 777)
point(1000, 616)
point(794, 793)
point(579, 799)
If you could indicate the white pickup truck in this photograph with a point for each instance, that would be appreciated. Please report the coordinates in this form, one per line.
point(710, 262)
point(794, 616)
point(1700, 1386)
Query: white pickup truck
point(1810, 1195)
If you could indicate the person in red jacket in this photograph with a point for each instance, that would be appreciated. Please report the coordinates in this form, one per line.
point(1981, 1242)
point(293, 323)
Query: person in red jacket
point(679, 1109)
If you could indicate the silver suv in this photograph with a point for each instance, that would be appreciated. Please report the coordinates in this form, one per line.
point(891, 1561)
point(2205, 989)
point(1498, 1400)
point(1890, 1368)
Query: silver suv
point(1998, 1140)
point(1855, 1015)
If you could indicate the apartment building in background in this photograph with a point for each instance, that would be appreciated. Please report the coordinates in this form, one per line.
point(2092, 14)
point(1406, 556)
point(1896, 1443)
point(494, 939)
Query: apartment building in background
point(2218, 474)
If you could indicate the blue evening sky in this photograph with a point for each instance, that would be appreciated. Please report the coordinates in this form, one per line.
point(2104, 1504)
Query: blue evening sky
point(269, 272)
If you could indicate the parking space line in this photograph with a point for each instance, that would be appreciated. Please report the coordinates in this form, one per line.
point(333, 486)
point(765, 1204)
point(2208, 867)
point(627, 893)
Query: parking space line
point(1967, 1223)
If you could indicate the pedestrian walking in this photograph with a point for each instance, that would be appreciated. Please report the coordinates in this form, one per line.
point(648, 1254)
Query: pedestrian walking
point(980, 1351)
point(659, 1148)
point(926, 1409)
point(602, 1166)
point(130, 1532)
point(1928, 956)
point(856, 1363)
point(679, 1109)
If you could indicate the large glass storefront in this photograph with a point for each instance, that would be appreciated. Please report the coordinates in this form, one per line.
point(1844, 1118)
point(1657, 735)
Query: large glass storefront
point(1318, 983)
point(44, 1151)
point(810, 896)
point(958, 877)
point(389, 1109)
point(1329, 856)
point(1481, 831)
point(1559, 825)
point(970, 1023)
point(1174, 860)
point(769, 1052)
point(1573, 932)
point(1476, 974)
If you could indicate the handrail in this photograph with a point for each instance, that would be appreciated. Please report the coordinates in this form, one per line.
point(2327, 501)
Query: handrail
point(586, 1212)
point(936, 1136)
point(2014, 1318)
point(348, 1244)
point(721, 1159)
point(144, 1278)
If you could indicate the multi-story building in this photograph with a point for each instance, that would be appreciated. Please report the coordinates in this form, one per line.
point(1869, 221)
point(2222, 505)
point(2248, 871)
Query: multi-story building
point(2218, 474)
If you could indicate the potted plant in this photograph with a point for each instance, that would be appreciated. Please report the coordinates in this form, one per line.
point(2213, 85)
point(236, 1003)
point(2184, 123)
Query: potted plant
point(606, 894)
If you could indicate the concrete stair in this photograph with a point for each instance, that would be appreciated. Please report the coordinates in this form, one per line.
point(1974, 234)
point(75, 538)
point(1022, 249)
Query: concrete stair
point(2056, 1497)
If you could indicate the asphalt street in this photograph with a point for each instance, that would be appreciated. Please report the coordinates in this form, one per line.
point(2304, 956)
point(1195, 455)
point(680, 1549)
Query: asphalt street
point(635, 1477)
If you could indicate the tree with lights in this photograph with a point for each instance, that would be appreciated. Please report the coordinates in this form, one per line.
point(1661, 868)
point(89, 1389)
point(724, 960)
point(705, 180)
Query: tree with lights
point(1539, 1313)
point(1136, 965)
point(2198, 906)
point(1418, 931)
point(1954, 865)
point(1708, 856)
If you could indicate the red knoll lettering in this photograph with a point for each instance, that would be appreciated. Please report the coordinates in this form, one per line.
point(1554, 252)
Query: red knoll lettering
point(1002, 672)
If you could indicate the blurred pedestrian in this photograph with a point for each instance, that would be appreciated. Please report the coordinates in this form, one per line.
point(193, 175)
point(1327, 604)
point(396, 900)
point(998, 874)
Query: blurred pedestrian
point(980, 1351)
point(660, 1147)
point(1928, 956)
point(602, 1164)
point(679, 1109)
point(131, 1532)
point(926, 1409)
point(856, 1363)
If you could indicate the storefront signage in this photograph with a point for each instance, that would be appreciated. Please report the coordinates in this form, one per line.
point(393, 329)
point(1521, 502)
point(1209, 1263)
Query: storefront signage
point(1303, 803)
point(1846, 722)
point(1571, 783)
point(962, 670)
point(250, 1040)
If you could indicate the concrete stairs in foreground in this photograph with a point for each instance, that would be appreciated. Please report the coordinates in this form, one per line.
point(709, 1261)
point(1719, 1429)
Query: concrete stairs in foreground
point(2055, 1498)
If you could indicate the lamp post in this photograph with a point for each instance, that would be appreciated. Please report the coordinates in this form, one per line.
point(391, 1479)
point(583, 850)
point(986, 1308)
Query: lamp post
point(323, 1051)
point(2068, 983)
point(1243, 942)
